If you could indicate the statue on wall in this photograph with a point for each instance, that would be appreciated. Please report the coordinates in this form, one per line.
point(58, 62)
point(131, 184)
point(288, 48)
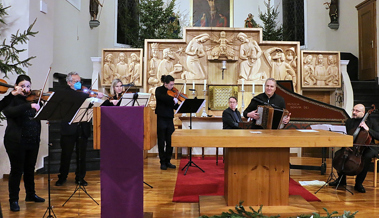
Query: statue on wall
point(195, 51)
point(122, 71)
point(250, 54)
point(223, 49)
point(94, 8)
point(250, 22)
point(109, 69)
point(280, 70)
point(309, 77)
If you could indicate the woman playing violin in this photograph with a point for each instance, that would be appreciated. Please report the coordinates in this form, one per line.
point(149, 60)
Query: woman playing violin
point(116, 91)
point(165, 124)
point(21, 140)
point(372, 126)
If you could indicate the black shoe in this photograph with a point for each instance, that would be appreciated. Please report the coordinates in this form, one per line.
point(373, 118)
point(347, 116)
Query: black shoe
point(34, 198)
point(169, 165)
point(335, 182)
point(60, 182)
point(14, 206)
point(82, 182)
point(359, 188)
point(163, 167)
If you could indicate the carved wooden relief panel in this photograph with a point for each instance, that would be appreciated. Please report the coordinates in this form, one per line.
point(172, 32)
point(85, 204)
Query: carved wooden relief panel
point(123, 64)
point(320, 69)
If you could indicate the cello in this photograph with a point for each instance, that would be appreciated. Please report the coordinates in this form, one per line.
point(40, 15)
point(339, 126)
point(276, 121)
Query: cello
point(349, 162)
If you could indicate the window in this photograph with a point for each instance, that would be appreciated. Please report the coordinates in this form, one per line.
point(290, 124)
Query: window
point(293, 21)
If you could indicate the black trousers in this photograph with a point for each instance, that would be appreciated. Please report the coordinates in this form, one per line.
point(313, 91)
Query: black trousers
point(23, 158)
point(165, 128)
point(68, 142)
point(367, 156)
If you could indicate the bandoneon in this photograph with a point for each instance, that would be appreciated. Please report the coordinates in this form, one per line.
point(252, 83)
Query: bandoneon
point(271, 118)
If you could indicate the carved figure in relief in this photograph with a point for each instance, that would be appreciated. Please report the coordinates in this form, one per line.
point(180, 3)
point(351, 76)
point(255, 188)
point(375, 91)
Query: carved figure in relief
point(332, 71)
point(109, 69)
point(166, 65)
point(152, 73)
point(134, 69)
point(250, 54)
point(223, 49)
point(320, 70)
point(280, 70)
point(291, 57)
point(195, 51)
point(309, 78)
point(122, 69)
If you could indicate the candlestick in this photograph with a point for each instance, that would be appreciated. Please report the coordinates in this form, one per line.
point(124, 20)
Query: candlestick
point(253, 90)
point(243, 102)
point(193, 84)
point(204, 114)
point(205, 84)
point(185, 87)
point(243, 82)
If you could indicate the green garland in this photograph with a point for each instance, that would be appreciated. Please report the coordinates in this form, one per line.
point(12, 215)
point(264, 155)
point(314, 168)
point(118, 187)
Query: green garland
point(241, 212)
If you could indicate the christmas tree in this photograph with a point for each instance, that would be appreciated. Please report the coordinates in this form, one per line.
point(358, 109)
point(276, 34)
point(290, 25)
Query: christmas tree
point(9, 53)
point(271, 30)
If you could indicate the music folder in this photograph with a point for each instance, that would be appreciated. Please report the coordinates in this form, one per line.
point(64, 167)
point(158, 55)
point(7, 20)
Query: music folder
point(190, 106)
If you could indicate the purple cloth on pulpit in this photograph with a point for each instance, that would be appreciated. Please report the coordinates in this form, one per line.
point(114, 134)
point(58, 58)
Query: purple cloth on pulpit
point(121, 164)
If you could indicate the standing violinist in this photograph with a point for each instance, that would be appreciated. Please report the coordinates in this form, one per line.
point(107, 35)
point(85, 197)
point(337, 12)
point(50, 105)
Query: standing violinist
point(369, 152)
point(165, 123)
point(116, 92)
point(74, 135)
point(21, 140)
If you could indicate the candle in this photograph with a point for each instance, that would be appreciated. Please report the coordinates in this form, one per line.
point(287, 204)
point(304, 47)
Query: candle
point(185, 87)
point(205, 84)
point(193, 84)
point(223, 64)
point(243, 82)
point(253, 88)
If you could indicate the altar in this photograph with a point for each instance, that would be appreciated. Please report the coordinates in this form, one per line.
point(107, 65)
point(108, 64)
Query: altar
point(257, 161)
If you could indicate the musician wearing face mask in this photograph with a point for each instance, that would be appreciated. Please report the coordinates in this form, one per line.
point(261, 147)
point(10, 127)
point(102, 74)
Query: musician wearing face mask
point(165, 123)
point(74, 135)
point(231, 116)
point(268, 97)
point(21, 141)
point(372, 126)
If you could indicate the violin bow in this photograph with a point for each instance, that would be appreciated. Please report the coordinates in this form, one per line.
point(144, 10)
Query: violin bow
point(90, 88)
point(47, 77)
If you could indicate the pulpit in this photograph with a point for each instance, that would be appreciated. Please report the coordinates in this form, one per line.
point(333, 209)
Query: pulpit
point(125, 133)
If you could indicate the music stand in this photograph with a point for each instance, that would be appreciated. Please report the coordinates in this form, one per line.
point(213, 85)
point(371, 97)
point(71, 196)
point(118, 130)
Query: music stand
point(190, 106)
point(60, 105)
point(84, 114)
point(130, 99)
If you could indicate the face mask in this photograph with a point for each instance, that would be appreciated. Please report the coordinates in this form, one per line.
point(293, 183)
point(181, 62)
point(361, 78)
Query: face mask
point(78, 85)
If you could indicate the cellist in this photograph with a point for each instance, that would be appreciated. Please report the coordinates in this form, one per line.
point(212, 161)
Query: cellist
point(369, 152)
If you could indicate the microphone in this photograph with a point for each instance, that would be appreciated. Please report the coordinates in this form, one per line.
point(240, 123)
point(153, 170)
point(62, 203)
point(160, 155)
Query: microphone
point(129, 84)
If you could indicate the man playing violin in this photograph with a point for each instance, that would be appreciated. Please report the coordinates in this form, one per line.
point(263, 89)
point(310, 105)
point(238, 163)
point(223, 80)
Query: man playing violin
point(369, 152)
point(165, 123)
point(74, 135)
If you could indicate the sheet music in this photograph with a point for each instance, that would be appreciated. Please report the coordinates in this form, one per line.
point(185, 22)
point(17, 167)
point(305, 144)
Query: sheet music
point(85, 113)
point(329, 127)
point(142, 99)
point(39, 111)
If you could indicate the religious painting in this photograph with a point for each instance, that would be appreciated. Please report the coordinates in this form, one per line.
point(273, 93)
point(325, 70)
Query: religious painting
point(123, 64)
point(320, 69)
point(212, 13)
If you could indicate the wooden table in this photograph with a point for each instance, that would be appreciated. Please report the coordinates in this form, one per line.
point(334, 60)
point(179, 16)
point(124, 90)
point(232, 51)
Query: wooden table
point(257, 161)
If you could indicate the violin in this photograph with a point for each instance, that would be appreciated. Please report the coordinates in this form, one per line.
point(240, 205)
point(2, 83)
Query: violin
point(34, 95)
point(4, 86)
point(174, 92)
point(349, 162)
point(91, 92)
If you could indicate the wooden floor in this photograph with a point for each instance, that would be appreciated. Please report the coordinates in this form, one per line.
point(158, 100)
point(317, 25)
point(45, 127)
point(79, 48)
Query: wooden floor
point(159, 199)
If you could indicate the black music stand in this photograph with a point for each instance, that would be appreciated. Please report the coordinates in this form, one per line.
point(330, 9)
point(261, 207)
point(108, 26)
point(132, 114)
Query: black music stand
point(84, 114)
point(191, 106)
point(60, 106)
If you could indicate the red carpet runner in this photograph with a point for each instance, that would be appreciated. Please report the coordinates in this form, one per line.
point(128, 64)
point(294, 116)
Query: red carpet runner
point(189, 187)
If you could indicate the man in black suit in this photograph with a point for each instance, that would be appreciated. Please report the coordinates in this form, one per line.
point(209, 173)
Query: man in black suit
point(74, 135)
point(231, 116)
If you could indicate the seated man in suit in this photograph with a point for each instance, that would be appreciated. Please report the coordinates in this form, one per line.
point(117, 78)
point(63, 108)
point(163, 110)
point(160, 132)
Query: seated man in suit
point(231, 116)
